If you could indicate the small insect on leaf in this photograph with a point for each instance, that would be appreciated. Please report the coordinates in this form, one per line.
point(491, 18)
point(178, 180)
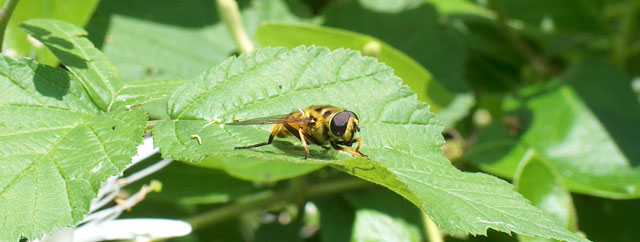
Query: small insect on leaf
point(320, 125)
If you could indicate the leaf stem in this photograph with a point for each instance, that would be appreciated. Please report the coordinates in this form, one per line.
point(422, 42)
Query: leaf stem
point(433, 231)
point(540, 64)
point(230, 15)
point(5, 16)
point(293, 193)
point(152, 123)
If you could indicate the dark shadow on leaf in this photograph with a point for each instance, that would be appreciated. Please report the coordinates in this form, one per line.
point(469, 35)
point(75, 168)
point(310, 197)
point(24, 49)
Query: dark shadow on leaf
point(59, 42)
point(35, 31)
point(298, 151)
point(70, 59)
point(51, 82)
point(60, 47)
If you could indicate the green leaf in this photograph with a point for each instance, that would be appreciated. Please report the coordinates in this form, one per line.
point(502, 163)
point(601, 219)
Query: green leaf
point(418, 32)
point(497, 150)
point(78, 54)
point(258, 170)
point(390, 6)
point(537, 182)
point(16, 39)
point(562, 121)
point(141, 92)
point(283, 10)
point(56, 148)
point(377, 221)
point(174, 40)
point(461, 7)
point(144, 49)
point(412, 73)
point(336, 219)
point(401, 136)
point(265, 171)
point(151, 95)
point(372, 225)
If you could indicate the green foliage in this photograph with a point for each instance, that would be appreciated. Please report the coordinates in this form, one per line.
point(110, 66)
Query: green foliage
point(540, 93)
point(16, 40)
point(371, 225)
point(429, 42)
point(392, 122)
point(561, 121)
point(540, 184)
point(375, 219)
point(414, 75)
point(448, 105)
point(172, 39)
point(58, 145)
point(69, 44)
point(56, 148)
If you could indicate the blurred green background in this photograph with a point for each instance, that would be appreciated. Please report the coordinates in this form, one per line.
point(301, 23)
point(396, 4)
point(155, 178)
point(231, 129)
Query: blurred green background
point(539, 92)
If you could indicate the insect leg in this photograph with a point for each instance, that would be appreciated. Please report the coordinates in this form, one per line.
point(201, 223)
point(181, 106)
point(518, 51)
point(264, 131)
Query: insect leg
point(359, 140)
point(295, 133)
point(353, 153)
point(273, 134)
point(304, 143)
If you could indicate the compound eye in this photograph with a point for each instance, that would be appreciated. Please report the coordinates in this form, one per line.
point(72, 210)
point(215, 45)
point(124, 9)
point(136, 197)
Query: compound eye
point(354, 115)
point(339, 123)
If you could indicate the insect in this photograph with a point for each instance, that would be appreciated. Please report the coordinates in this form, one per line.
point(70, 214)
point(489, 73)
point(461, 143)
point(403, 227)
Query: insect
point(319, 125)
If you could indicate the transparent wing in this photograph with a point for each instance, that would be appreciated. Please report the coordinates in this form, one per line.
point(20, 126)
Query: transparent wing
point(275, 119)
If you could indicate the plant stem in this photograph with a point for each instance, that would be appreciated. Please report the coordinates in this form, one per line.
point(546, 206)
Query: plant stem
point(230, 15)
point(295, 192)
point(433, 232)
point(152, 123)
point(539, 63)
point(5, 15)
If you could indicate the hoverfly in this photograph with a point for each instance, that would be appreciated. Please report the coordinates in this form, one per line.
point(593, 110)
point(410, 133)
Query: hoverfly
point(319, 125)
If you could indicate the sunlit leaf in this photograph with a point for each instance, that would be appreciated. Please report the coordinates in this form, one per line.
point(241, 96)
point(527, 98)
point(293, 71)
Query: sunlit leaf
point(401, 136)
point(69, 43)
point(56, 148)
point(76, 12)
